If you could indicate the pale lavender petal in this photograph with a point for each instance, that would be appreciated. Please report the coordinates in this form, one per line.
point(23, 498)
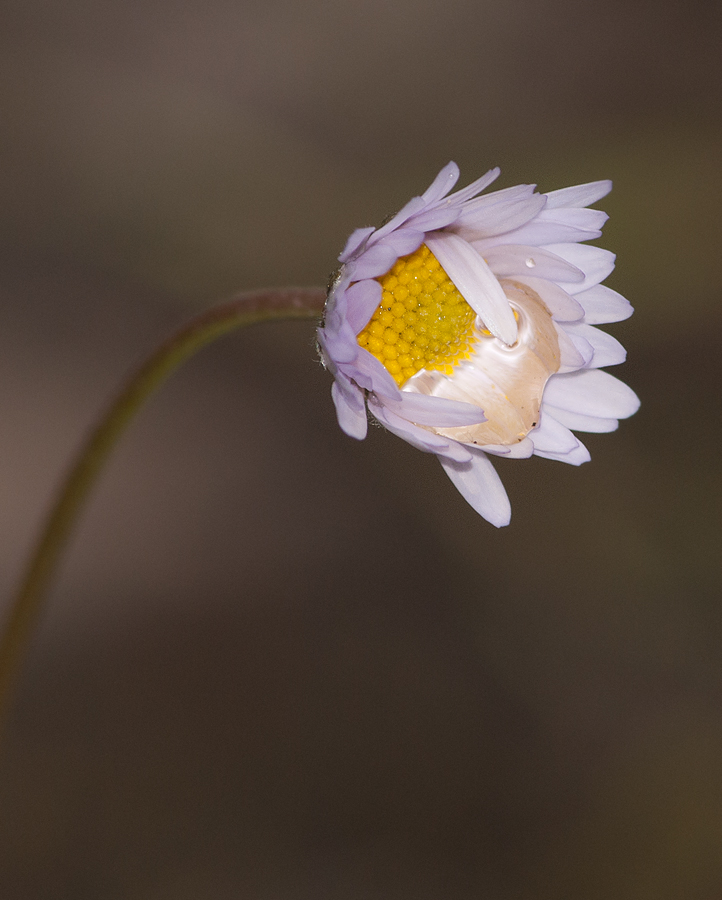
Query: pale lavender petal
point(580, 421)
point(372, 375)
point(579, 195)
point(479, 220)
point(337, 348)
point(562, 306)
point(607, 351)
point(481, 487)
point(558, 226)
point(405, 240)
point(476, 187)
point(507, 260)
point(601, 305)
point(436, 217)
point(573, 353)
point(354, 242)
point(595, 262)
point(418, 437)
point(442, 184)
point(414, 206)
point(575, 457)
point(374, 261)
point(350, 407)
point(552, 437)
point(476, 283)
point(438, 412)
point(363, 299)
point(593, 393)
point(521, 450)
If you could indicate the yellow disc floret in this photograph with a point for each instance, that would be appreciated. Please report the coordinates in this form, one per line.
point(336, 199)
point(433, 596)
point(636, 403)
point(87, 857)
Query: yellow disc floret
point(423, 322)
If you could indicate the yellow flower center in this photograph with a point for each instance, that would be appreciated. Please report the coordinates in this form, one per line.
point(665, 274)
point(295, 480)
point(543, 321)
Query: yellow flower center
point(423, 322)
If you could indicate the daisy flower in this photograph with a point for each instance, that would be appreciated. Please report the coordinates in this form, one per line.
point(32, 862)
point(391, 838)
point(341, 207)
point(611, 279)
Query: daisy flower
point(465, 325)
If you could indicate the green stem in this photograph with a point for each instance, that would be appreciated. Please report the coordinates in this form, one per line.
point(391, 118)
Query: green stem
point(246, 309)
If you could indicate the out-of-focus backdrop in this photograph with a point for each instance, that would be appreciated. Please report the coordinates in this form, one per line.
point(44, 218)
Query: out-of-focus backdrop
point(283, 665)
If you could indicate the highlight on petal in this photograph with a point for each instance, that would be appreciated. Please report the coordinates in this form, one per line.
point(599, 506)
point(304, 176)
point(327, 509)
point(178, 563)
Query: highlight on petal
point(481, 487)
point(476, 282)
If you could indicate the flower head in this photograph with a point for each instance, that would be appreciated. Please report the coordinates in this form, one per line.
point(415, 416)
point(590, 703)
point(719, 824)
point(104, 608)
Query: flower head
point(465, 324)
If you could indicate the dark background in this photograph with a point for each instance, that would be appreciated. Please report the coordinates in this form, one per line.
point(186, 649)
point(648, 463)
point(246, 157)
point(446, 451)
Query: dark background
point(279, 664)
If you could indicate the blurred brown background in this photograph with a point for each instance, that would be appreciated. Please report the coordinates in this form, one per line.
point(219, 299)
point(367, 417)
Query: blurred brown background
point(282, 665)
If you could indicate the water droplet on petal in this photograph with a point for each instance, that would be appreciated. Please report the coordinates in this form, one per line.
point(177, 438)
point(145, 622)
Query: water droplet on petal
point(530, 263)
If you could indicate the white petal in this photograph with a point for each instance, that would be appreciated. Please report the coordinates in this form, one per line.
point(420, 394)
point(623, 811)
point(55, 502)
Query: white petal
point(595, 262)
point(575, 457)
point(553, 437)
point(521, 450)
point(510, 260)
point(579, 195)
point(607, 349)
point(476, 283)
point(556, 226)
point(481, 487)
point(601, 305)
point(573, 354)
point(479, 219)
point(593, 393)
point(579, 421)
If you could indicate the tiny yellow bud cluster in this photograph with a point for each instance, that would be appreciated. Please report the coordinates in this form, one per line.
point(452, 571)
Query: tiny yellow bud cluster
point(423, 322)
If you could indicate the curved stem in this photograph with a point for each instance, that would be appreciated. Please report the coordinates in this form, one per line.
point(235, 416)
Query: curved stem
point(246, 309)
